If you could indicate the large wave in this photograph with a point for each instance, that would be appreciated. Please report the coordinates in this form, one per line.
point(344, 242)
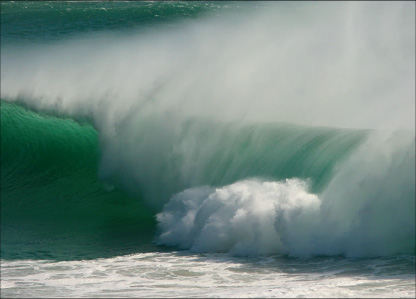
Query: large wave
point(271, 130)
point(362, 205)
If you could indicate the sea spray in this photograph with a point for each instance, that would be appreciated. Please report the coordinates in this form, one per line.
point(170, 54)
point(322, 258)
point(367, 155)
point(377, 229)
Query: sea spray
point(366, 210)
point(159, 157)
point(274, 63)
point(269, 64)
point(369, 205)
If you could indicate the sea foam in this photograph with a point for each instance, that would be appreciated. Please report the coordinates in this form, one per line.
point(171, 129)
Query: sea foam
point(366, 210)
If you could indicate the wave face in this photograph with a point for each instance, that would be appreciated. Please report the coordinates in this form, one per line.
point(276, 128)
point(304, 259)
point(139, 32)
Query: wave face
point(52, 203)
point(363, 203)
point(249, 129)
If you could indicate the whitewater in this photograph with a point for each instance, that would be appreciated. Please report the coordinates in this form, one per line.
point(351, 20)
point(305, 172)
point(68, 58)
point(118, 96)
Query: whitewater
point(208, 149)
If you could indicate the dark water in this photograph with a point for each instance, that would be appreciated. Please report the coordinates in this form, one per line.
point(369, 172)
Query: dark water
point(33, 21)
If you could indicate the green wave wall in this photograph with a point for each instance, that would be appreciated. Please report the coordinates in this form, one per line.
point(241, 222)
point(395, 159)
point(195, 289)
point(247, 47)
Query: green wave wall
point(51, 199)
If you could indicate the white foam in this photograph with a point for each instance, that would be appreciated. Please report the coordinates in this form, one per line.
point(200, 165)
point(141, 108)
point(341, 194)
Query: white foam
point(180, 274)
point(239, 218)
point(368, 209)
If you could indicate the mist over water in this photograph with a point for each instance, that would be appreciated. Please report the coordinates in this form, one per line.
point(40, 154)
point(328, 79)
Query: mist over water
point(175, 109)
point(340, 64)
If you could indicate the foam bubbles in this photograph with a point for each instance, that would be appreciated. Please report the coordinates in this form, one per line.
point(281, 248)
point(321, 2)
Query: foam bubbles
point(366, 210)
point(239, 218)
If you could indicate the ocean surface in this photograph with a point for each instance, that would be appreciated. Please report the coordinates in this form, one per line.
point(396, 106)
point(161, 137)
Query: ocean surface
point(208, 149)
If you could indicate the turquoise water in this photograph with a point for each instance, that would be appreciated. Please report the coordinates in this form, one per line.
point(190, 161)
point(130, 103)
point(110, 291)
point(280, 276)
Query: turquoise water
point(224, 143)
point(50, 174)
